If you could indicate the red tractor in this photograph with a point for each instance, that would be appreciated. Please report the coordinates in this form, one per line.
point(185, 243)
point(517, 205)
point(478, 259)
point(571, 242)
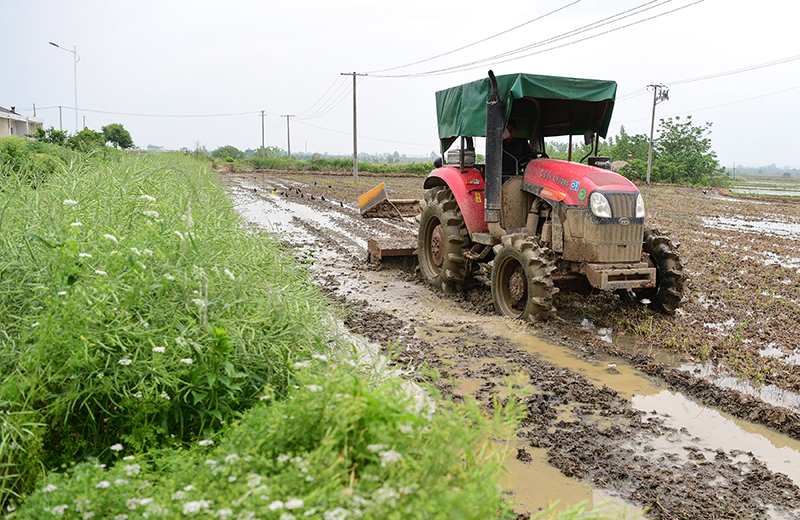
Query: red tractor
point(547, 219)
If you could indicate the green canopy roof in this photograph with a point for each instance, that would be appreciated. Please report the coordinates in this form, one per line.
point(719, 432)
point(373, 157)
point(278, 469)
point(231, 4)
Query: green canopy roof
point(548, 105)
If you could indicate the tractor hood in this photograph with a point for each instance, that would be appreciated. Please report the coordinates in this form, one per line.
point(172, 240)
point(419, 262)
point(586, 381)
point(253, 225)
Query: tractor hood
point(570, 182)
point(569, 106)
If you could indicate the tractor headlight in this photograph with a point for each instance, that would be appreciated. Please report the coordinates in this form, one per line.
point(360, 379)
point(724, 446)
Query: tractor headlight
point(599, 205)
point(639, 206)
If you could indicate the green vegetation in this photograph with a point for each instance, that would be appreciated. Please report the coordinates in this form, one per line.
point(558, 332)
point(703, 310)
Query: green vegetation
point(116, 134)
point(682, 154)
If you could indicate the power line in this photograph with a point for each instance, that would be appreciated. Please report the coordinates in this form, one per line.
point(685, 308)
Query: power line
point(589, 27)
point(477, 42)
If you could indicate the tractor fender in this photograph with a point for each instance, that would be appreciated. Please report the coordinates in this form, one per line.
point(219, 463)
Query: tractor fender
point(469, 190)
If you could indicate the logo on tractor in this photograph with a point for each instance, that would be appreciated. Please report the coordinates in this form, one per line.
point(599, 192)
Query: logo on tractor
point(574, 185)
point(581, 195)
point(624, 221)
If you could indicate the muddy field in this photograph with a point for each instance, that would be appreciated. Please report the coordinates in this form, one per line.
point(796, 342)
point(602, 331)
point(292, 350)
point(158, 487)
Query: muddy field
point(689, 416)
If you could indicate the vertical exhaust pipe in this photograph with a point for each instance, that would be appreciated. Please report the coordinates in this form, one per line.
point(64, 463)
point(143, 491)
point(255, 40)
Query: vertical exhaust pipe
point(495, 118)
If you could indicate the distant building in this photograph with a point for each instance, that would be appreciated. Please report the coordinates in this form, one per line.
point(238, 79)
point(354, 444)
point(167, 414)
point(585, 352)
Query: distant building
point(12, 123)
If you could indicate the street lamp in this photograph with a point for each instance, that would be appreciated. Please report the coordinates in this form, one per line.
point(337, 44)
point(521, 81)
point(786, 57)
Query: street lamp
point(74, 52)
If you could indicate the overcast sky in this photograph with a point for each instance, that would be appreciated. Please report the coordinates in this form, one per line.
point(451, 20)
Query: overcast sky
point(213, 66)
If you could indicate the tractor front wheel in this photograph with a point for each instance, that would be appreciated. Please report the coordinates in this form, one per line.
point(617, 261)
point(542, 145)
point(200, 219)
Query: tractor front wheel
point(522, 286)
point(442, 241)
point(659, 252)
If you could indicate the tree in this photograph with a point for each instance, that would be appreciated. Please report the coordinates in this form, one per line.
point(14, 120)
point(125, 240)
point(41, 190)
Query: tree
point(227, 151)
point(86, 140)
point(684, 154)
point(51, 136)
point(116, 134)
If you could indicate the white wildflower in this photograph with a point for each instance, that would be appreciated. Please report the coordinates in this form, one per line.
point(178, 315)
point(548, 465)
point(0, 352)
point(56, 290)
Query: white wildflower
point(405, 428)
point(169, 277)
point(76, 224)
point(224, 513)
point(199, 302)
point(178, 495)
point(180, 235)
point(294, 503)
point(138, 395)
point(230, 459)
point(121, 482)
point(302, 364)
point(132, 469)
point(276, 505)
point(283, 458)
point(187, 361)
point(49, 488)
point(35, 324)
point(150, 213)
point(321, 357)
point(190, 487)
point(180, 340)
point(59, 510)
point(287, 516)
point(230, 274)
point(232, 479)
point(70, 202)
point(100, 272)
point(211, 462)
point(389, 456)
point(159, 350)
point(84, 255)
point(253, 480)
point(100, 375)
point(309, 478)
point(190, 508)
point(314, 388)
point(62, 293)
point(385, 494)
point(144, 267)
point(125, 362)
point(147, 197)
point(128, 457)
point(206, 442)
point(100, 466)
point(377, 447)
point(102, 484)
point(147, 252)
point(336, 514)
point(123, 516)
point(87, 515)
point(111, 237)
point(116, 447)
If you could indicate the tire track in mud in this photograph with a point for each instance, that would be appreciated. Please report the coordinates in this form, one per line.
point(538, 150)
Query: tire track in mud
point(590, 433)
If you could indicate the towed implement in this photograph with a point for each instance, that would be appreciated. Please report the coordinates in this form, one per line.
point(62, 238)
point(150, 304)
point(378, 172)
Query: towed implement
point(530, 221)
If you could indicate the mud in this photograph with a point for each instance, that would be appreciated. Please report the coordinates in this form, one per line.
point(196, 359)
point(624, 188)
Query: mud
point(739, 323)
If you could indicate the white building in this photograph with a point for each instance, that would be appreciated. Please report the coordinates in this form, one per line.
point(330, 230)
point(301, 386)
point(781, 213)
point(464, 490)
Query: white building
point(12, 123)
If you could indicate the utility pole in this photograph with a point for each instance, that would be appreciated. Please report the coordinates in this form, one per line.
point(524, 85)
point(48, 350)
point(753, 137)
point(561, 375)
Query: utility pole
point(262, 134)
point(60, 124)
point(355, 126)
point(288, 135)
point(660, 93)
point(75, 61)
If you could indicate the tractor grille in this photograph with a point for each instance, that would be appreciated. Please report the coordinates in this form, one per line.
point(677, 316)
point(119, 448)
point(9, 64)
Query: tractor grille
point(623, 204)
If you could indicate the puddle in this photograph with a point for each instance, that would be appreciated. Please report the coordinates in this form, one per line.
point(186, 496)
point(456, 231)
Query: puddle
point(770, 190)
point(710, 430)
point(767, 393)
point(783, 228)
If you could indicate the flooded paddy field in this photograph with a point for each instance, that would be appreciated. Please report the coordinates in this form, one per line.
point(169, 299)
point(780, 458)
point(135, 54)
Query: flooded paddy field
point(688, 416)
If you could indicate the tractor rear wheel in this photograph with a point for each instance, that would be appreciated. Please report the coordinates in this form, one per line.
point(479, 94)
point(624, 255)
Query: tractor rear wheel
point(442, 240)
point(522, 285)
point(659, 251)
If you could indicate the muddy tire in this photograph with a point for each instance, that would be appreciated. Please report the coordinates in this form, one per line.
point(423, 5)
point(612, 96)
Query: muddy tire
point(442, 240)
point(659, 251)
point(522, 285)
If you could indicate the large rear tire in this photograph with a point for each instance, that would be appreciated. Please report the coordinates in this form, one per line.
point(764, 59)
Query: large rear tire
point(522, 285)
point(442, 241)
point(659, 251)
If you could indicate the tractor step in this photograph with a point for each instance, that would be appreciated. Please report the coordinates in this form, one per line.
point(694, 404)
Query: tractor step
point(385, 247)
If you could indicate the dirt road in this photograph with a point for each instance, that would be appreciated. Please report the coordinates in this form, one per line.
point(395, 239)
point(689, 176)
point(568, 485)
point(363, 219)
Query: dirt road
point(691, 416)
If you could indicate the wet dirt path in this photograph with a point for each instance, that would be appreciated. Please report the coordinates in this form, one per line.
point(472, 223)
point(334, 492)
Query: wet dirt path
point(598, 428)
